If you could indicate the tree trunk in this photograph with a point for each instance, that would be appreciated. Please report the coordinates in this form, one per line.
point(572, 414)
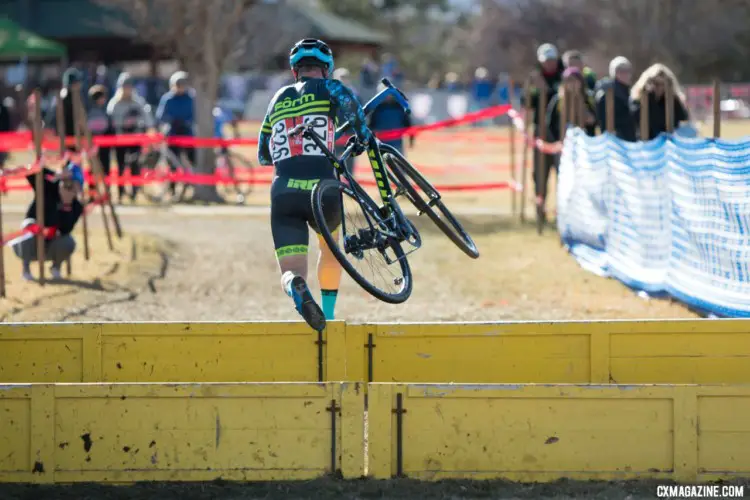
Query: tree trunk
point(206, 87)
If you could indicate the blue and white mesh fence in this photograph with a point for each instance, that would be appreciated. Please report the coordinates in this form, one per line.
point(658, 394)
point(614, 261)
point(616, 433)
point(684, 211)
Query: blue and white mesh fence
point(668, 216)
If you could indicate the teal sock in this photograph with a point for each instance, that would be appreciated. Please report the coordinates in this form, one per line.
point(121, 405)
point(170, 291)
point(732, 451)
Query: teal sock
point(329, 302)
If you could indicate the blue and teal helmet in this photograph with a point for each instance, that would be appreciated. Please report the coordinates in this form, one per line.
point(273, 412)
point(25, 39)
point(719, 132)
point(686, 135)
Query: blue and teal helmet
point(311, 48)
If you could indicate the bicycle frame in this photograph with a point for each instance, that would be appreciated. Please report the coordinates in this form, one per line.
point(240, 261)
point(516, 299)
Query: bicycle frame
point(400, 222)
point(373, 148)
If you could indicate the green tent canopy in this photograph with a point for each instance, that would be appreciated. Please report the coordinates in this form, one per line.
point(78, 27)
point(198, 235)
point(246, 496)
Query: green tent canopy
point(17, 43)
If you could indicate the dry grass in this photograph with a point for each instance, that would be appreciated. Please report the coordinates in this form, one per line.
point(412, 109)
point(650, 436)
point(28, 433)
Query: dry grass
point(110, 272)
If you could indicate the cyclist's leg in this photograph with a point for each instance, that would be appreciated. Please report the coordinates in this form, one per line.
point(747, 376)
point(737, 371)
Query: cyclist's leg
point(329, 270)
point(120, 153)
point(290, 238)
point(135, 170)
point(177, 153)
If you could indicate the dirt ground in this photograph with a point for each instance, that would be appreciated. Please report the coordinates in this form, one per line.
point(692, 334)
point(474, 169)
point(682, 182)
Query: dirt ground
point(220, 265)
point(332, 489)
point(208, 268)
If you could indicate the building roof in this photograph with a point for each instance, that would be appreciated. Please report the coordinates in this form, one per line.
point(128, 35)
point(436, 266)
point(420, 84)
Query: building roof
point(67, 19)
point(332, 27)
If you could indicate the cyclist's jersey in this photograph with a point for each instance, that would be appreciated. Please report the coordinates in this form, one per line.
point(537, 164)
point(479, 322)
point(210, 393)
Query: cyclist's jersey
point(315, 100)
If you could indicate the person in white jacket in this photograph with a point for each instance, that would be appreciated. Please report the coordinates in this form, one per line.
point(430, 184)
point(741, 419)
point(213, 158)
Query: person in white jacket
point(129, 114)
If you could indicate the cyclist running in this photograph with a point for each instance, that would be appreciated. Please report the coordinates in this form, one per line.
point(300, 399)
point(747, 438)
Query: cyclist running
point(314, 98)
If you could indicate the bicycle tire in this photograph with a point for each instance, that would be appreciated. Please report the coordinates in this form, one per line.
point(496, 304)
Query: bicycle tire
point(369, 207)
point(402, 172)
point(244, 187)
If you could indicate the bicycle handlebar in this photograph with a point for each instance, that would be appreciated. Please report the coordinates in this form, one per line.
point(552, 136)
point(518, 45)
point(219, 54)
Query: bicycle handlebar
point(389, 91)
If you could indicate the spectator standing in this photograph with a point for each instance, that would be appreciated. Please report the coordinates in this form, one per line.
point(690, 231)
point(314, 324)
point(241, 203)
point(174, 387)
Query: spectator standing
point(368, 75)
point(129, 114)
point(61, 213)
point(481, 92)
point(6, 125)
point(98, 123)
point(574, 59)
point(390, 116)
point(548, 74)
point(72, 82)
point(176, 115)
point(452, 82)
point(652, 85)
point(620, 78)
point(573, 83)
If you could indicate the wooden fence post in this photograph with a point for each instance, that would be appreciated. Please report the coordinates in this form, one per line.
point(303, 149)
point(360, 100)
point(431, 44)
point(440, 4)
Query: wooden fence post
point(39, 184)
point(717, 109)
point(513, 176)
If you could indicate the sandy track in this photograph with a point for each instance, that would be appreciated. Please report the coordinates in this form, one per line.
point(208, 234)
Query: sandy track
point(223, 268)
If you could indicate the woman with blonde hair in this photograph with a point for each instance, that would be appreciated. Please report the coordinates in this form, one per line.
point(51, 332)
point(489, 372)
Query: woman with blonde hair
point(652, 85)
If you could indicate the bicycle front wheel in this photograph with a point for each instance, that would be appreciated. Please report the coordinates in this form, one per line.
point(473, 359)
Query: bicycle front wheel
point(360, 242)
point(425, 198)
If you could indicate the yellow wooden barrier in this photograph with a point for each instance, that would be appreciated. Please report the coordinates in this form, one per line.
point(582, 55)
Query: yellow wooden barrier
point(692, 351)
point(182, 432)
point(547, 432)
point(170, 352)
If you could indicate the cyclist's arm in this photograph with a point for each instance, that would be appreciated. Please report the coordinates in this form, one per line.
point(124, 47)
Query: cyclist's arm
point(350, 109)
point(264, 140)
point(161, 111)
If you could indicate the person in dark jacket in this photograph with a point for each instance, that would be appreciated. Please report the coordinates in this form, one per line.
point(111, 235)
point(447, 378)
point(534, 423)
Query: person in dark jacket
point(176, 113)
point(5, 126)
point(61, 213)
point(390, 116)
point(549, 76)
point(98, 123)
point(574, 82)
point(652, 85)
point(574, 59)
point(72, 81)
point(621, 74)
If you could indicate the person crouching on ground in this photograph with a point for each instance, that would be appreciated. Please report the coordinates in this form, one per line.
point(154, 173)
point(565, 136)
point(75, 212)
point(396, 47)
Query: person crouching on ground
point(99, 123)
point(61, 213)
point(390, 116)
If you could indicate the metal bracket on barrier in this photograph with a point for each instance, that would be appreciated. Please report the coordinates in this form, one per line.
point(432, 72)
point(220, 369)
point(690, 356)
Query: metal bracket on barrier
point(334, 409)
point(399, 412)
point(370, 345)
point(320, 343)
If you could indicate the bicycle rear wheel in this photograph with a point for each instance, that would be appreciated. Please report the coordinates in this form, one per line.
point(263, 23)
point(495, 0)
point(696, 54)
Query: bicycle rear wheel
point(242, 172)
point(360, 244)
point(425, 198)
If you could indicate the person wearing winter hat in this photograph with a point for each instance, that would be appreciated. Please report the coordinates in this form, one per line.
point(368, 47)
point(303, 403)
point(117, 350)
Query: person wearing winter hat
point(549, 75)
point(620, 78)
point(176, 113)
point(62, 209)
point(129, 114)
point(98, 123)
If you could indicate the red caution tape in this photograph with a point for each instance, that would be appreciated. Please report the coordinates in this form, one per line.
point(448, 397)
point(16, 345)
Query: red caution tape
point(19, 141)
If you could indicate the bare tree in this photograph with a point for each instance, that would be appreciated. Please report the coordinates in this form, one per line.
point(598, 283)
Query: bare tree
point(204, 36)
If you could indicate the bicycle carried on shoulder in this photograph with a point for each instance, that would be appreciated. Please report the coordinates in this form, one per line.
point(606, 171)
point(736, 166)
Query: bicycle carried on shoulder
point(372, 241)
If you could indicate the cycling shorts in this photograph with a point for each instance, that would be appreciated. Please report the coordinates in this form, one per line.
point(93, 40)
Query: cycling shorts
point(291, 214)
